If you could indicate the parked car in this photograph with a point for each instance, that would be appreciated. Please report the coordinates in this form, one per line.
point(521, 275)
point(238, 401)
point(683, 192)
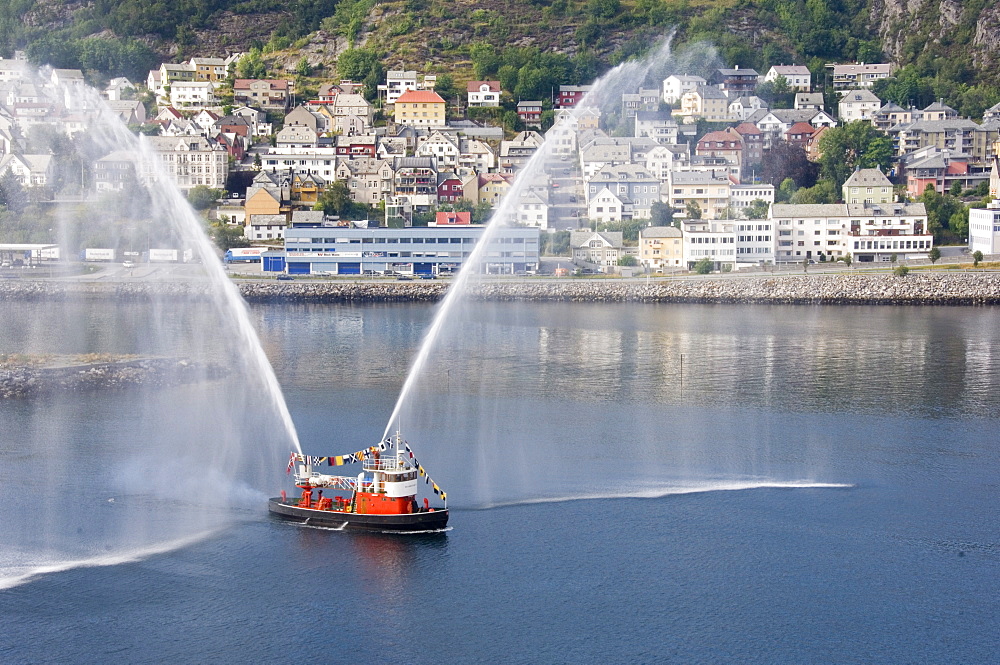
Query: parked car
point(404, 278)
point(128, 264)
point(285, 278)
point(428, 275)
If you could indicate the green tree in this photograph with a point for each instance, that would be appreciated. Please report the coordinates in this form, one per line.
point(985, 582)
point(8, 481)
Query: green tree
point(627, 260)
point(693, 210)
point(977, 258)
point(857, 144)
point(847, 259)
point(302, 67)
point(901, 271)
point(934, 254)
point(757, 209)
point(202, 197)
point(660, 214)
point(704, 266)
point(226, 236)
point(251, 66)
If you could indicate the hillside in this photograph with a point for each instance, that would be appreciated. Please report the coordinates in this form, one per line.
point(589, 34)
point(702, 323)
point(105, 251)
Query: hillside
point(951, 49)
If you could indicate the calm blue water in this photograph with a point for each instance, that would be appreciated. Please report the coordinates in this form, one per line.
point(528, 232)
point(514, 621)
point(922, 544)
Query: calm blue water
point(526, 410)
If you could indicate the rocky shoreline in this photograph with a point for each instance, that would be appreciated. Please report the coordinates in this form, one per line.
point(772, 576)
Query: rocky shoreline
point(20, 381)
point(917, 288)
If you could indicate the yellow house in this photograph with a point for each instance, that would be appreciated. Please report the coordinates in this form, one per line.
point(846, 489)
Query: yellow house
point(661, 248)
point(420, 108)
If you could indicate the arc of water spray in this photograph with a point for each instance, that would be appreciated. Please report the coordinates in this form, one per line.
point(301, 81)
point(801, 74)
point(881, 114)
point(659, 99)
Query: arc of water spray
point(625, 74)
point(170, 199)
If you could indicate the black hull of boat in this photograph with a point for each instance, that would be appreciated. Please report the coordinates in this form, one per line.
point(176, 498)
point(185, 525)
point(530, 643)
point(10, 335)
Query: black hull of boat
point(422, 521)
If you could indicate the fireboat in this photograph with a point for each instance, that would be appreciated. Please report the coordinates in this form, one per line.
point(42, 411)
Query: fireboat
point(383, 497)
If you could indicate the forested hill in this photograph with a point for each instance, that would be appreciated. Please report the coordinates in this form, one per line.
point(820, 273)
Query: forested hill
point(949, 48)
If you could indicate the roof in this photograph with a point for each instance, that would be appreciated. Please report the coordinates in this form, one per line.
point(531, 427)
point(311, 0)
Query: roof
point(799, 70)
point(453, 218)
point(862, 95)
point(709, 92)
point(660, 232)
point(801, 128)
point(420, 96)
point(858, 68)
point(720, 136)
point(746, 128)
point(868, 178)
point(808, 210)
point(474, 86)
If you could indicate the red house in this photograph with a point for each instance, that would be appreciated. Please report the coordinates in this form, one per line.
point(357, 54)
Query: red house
point(449, 188)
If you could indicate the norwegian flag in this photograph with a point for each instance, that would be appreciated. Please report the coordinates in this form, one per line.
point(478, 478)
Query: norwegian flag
point(291, 463)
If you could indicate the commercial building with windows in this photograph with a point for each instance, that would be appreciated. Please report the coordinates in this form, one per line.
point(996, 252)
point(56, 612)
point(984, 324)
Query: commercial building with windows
point(406, 251)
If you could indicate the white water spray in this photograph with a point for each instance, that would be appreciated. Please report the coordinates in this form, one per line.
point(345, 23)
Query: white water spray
point(605, 90)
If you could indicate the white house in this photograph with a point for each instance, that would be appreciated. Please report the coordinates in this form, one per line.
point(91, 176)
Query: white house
point(861, 104)
point(676, 85)
point(483, 93)
point(798, 77)
point(984, 229)
point(194, 94)
point(606, 206)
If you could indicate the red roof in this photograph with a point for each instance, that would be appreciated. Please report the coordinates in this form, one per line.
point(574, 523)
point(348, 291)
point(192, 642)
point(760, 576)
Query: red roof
point(420, 96)
point(801, 128)
point(723, 137)
point(450, 218)
point(745, 128)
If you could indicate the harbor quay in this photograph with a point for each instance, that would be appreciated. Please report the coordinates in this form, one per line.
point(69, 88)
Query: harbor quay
point(916, 288)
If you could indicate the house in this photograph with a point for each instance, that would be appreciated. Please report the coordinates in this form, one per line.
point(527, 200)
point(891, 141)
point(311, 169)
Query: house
point(631, 103)
point(530, 113)
point(487, 187)
point(607, 206)
point(449, 188)
point(13, 69)
point(532, 207)
point(443, 147)
point(514, 154)
point(304, 189)
point(483, 93)
point(742, 108)
point(371, 181)
point(940, 168)
point(753, 143)
point(234, 144)
point(939, 111)
point(302, 116)
point(397, 82)
point(131, 112)
point(710, 191)
point(867, 186)
point(351, 113)
point(193, 94)
point(675, 86)
point(808, 100)
point(113, 172)
point(264, 93)
point(570, 95)
point(210, 69)
point(859, 75)
point(798, 77)
point(705, 102)
point(727, 145)
point(657, 125)
point(636, 187)
point(800, 134)
point(116, 88)
point(29, 170)
point(416, 179)
point(562, 136)
point(735, 82)
point(869, 232)
point(774, 123)
point(598, 248)
point(710, 239)
point(891, 115)
point(475, 155)
point(861, 104)
point(984, 229)
point(959, 135)
point(661, 248)
point(420, 108)
point(296, 136)
point(191, 161)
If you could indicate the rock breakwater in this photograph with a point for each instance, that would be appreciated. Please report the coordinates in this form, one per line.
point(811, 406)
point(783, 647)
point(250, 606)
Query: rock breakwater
point(31, 381)
point(917, 288)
